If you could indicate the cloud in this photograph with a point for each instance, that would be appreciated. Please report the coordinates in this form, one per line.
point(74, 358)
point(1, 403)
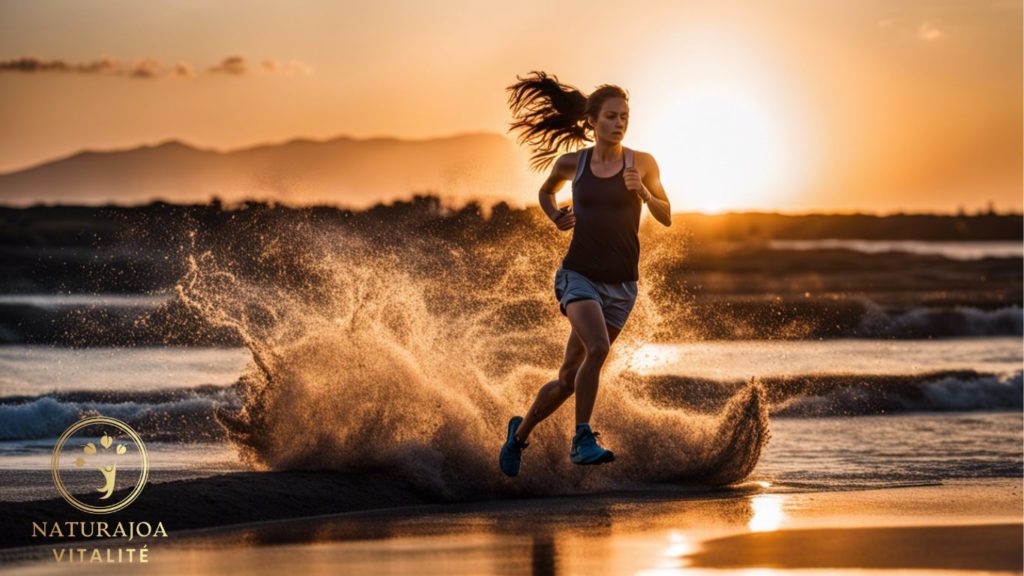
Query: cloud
point(238, 66)
point(150, 68)
point(289, 68)
point(928, 31)
point(146, 68)
point(31, 64)
point(233, 65)
point(183, 70)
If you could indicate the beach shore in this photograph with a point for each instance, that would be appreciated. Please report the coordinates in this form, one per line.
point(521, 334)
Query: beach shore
point(371, 523)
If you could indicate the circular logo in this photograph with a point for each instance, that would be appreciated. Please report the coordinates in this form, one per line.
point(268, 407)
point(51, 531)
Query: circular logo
point(96, 459)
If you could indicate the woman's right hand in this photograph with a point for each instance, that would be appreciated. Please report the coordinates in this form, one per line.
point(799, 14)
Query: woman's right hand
point(566, 219)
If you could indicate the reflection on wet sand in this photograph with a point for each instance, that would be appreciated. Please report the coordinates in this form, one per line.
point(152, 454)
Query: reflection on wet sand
point(983, 547)
point(768, 514)
point(650, 533)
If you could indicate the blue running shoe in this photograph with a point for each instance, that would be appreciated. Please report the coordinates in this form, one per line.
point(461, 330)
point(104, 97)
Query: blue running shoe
point(512, 449)
point(586, 451)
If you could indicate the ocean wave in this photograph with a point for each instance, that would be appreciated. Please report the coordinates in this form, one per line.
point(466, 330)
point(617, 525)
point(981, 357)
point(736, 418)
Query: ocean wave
point(823, 395)
point(181, 415)
point(935, 322)
point(189, 415)
point(953, 250)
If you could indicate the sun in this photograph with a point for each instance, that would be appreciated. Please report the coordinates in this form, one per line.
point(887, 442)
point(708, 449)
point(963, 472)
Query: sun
point(722, 144)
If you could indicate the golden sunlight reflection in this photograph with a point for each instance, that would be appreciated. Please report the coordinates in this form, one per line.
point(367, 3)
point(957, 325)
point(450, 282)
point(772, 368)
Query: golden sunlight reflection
point(687, 571)
point(653, 358)
point(768, 513)
point(679, 545)
point(671, 560)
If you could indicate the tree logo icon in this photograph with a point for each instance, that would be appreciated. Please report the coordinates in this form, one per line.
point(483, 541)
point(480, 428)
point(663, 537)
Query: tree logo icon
point(100, 465)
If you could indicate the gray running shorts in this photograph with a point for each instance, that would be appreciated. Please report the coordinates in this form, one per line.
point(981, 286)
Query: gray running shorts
point(616, 298)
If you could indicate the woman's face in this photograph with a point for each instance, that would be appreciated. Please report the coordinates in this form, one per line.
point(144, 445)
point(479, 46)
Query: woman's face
point(612, 121)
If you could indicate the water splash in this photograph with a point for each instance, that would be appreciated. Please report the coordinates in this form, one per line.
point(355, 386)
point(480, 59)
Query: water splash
point(408, 354)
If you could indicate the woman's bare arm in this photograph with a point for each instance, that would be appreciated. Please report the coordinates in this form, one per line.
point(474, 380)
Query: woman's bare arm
point(563, 169)
point(657, 199)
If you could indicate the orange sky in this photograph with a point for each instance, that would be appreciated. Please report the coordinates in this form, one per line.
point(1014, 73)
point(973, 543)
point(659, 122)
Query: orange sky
point(789, 106)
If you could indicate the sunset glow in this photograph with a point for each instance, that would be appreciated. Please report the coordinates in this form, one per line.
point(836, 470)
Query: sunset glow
point(792, 107)
point(723, 148)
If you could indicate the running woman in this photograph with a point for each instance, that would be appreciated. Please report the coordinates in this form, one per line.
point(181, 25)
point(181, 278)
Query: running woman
point(596, 284)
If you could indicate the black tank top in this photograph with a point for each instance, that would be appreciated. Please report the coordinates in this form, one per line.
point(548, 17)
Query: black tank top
point(605, 244)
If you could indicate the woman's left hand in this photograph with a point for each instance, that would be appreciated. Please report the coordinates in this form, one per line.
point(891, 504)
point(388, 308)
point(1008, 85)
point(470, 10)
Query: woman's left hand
point(634, 183)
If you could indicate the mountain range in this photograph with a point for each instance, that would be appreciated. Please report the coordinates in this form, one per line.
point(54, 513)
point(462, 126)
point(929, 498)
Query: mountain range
point(342, 171)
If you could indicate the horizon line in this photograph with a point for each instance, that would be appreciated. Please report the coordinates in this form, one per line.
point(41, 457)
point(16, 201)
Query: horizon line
point(273, 203)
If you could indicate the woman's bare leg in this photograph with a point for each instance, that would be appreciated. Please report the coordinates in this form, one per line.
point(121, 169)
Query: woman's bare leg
point(587, 321)
point(553, 394)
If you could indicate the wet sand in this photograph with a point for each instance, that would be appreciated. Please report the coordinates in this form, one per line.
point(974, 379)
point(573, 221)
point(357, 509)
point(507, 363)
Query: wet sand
point(218, 500)
point(980, 547)
point(966, 525)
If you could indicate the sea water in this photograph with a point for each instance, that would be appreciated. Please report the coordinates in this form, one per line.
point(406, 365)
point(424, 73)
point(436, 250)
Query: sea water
point(972, 427)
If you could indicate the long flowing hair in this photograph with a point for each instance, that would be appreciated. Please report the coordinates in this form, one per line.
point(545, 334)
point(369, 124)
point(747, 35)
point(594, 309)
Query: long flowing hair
point(551, 117)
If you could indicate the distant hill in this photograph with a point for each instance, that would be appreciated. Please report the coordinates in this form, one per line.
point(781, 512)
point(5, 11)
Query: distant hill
point(343, 171)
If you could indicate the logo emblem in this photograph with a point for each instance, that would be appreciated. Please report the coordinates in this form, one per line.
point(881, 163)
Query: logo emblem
point(96, 457)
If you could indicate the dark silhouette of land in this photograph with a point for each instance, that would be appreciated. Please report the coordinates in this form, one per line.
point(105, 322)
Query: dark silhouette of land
point(725, 265)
